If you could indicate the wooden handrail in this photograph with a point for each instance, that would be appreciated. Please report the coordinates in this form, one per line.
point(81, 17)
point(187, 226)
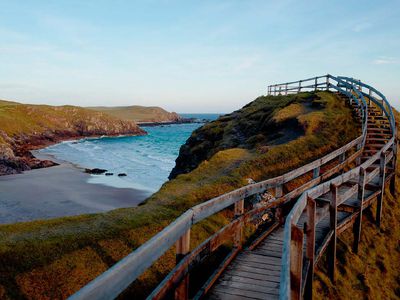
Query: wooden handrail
point(288, 288)
point(115, 280)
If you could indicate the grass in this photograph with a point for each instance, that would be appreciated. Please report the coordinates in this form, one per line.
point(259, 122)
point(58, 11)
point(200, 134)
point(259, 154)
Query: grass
point(291, 111)
point(53, 258)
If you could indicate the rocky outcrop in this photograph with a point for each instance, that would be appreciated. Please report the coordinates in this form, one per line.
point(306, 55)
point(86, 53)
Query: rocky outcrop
point(255, 126)
point(27, 127)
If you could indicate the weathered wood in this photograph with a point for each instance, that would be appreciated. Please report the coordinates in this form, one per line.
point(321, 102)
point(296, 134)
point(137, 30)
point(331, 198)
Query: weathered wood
point(371, 175)
point(310, 248)
point(258, 240)
point(382, 174)
point(239, 210)
point(182, 249)
point(333, 225)
point(194, 258)
point(347, 194)
point(316, 172)
point(278, 191)
point(296, 262)
point(209, 283)
point(357, 224)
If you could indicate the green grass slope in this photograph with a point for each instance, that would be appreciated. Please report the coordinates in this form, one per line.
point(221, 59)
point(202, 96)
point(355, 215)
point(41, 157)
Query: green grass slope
point(139, 113)
point(53, 258)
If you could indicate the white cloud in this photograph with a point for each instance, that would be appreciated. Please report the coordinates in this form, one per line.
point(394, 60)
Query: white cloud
point(385, 61)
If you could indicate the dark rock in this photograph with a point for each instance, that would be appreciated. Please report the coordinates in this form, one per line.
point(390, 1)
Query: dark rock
point(122, 174)
point(37, 163)
point(109, 174)
point(95, 171)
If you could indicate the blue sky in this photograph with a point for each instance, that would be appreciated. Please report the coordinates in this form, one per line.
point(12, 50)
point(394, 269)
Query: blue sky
point(190, 56)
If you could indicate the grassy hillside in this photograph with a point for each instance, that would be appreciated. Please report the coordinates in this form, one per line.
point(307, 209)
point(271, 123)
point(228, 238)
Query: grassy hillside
point(139, 113)
point(23, 127)
point(53, 258)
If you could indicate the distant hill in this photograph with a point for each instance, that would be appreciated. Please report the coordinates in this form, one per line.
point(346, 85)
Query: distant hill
point(139, 114)
point(24, 127)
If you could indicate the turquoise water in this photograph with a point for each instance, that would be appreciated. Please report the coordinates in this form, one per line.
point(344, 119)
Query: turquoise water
point(147, 160)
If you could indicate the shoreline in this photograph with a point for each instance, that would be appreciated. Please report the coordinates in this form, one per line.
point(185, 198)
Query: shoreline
point(59, 191)
point(26, 161)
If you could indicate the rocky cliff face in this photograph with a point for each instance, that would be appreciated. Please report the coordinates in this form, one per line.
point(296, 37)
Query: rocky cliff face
point(26, 127)
point(267, 121)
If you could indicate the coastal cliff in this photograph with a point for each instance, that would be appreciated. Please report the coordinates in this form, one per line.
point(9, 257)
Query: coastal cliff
point(26, 127)
point(140, 114)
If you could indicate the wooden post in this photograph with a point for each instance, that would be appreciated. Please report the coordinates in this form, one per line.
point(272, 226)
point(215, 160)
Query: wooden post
point(280, 90)
point(316, 172)
point(316, 84)
point(358, 159)
point(239, 210)
point(392, 185)
point(310, 249)
point(296, 262)
point(369, 96)
point(279, 216)
point(333, 225)
point(286, 89)
point(342, 157)
point(299, 86)
point(278, 191)
point(182, 249)
point(357, 224)
point(327, 83)
point(382, 173)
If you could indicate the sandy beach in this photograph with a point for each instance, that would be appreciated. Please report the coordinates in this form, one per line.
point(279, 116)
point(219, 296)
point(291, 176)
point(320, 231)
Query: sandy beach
point(59, 191)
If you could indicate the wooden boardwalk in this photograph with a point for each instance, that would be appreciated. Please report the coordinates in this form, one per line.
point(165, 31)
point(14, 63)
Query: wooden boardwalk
point(253, 274)
point(281, 261)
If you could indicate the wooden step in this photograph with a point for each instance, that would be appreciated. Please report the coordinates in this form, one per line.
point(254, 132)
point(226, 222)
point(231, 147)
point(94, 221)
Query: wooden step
point(376, 139)
point(379, 146)
point(377, 134)
point(372, 129)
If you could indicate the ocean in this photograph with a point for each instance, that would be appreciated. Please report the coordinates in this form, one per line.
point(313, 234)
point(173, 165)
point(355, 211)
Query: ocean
point(146, 160)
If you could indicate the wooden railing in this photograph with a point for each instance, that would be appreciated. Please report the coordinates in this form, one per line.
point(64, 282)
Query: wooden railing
point(298, 266)
point(115, 280)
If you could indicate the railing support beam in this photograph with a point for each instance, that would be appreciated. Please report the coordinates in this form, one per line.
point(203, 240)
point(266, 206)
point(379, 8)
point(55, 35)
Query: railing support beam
point(316, 172)
point(333, 225)
point(357, 224)
point(278, 191)
point(310, 250)
point(239, 210)
point(382, 173)
point(296, 262)
point(182, 249)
